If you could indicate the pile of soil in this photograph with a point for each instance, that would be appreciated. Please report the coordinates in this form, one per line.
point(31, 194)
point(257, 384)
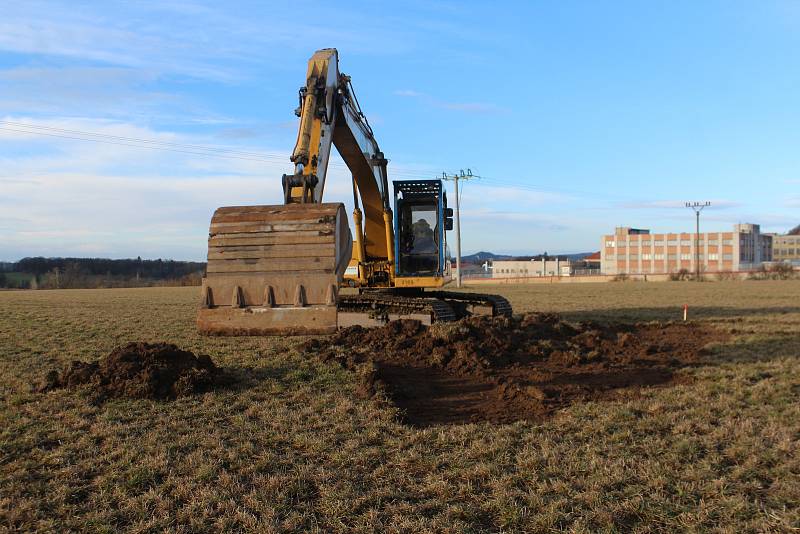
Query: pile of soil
point(507, 369)
point(141, 371)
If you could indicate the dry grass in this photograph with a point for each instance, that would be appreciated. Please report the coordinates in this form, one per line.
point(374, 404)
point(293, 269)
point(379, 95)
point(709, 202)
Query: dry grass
point(290, 449)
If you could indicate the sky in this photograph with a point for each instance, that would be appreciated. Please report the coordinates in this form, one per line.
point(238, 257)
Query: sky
point(123, 125)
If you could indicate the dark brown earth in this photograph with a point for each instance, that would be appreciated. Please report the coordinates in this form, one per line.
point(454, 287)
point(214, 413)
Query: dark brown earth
point(508, 369)
point(141, 371)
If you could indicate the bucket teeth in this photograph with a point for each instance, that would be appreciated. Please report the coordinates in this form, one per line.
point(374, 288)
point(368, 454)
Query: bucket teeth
point(330, 296)
point(300, 296)
point(208, 299)
point(238, 298)
point(269, 297)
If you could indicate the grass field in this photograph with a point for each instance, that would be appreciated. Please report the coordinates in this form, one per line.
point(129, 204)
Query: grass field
point(289, 448)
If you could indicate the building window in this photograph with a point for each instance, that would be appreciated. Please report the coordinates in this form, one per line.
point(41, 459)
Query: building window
point(672, 242)
point(658, 243)
point(713, 242)
point(727, 241)
point(658, 256)
point(685, 256)
point(645, 243)
point(727, 256)
point(672, 257)
point(713, 256)
point(611, 244)
point(646, 256)
point(686, 243)
point(610, 257)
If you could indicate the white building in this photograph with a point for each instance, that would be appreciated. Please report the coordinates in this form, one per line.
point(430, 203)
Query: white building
point(529, 267)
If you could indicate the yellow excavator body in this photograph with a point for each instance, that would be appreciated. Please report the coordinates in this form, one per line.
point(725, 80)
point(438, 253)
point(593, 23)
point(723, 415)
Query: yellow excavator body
point(277, 270)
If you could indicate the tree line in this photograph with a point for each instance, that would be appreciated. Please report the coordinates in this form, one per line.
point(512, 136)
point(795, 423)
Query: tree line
point(75, 273)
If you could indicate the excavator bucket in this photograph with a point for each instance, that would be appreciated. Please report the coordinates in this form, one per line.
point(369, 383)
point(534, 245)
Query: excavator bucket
point(274, 270)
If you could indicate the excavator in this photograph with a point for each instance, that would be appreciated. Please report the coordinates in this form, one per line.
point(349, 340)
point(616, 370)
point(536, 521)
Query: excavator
point(283, 269)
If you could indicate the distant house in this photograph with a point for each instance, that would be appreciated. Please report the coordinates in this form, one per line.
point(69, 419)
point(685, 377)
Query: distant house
point(542, 265)
point(589, 265)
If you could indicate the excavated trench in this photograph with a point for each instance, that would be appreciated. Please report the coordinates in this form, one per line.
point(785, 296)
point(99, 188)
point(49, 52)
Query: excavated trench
point(508, 369)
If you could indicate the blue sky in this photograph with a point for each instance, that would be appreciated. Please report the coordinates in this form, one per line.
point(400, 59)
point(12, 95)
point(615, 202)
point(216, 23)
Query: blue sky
point(580, 115)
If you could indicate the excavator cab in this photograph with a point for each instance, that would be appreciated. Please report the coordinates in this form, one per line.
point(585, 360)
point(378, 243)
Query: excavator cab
point(421, 218)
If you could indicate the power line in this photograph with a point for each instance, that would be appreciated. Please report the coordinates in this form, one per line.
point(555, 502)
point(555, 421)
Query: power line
point(229, 156)
point(183, 148)
point(135, 139)
point(105, 136)
point(243, 155)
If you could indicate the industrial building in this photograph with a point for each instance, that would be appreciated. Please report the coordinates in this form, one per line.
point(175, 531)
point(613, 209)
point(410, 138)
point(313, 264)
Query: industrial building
point(786, 248)
point(637, 251)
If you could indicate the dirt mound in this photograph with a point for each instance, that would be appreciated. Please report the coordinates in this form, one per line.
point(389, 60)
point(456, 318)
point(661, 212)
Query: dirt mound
point(141, 371)
point(506, 369)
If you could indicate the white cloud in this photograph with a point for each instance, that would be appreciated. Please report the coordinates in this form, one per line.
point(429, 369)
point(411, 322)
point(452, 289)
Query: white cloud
point(408, 92)
point(199, 40)
point(68, 197)
point(50, 30)
point(469, 107)
point(65, 196)
point(511, 196)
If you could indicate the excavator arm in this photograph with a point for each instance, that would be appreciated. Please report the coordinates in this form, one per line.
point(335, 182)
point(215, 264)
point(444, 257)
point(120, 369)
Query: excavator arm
point(277, 269)
point(330, 115)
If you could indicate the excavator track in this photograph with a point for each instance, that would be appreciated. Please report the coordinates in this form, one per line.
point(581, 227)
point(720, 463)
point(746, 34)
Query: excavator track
point(378, 308)
point(467, 304)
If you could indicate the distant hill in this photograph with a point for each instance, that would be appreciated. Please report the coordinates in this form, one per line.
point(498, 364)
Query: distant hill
point(480, 257)
point(795, 230)
point(579, 256)
point(571, 257)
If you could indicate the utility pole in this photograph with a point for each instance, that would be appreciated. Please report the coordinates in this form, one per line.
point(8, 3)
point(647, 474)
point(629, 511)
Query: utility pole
point(455, 178)
point(697, 207)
